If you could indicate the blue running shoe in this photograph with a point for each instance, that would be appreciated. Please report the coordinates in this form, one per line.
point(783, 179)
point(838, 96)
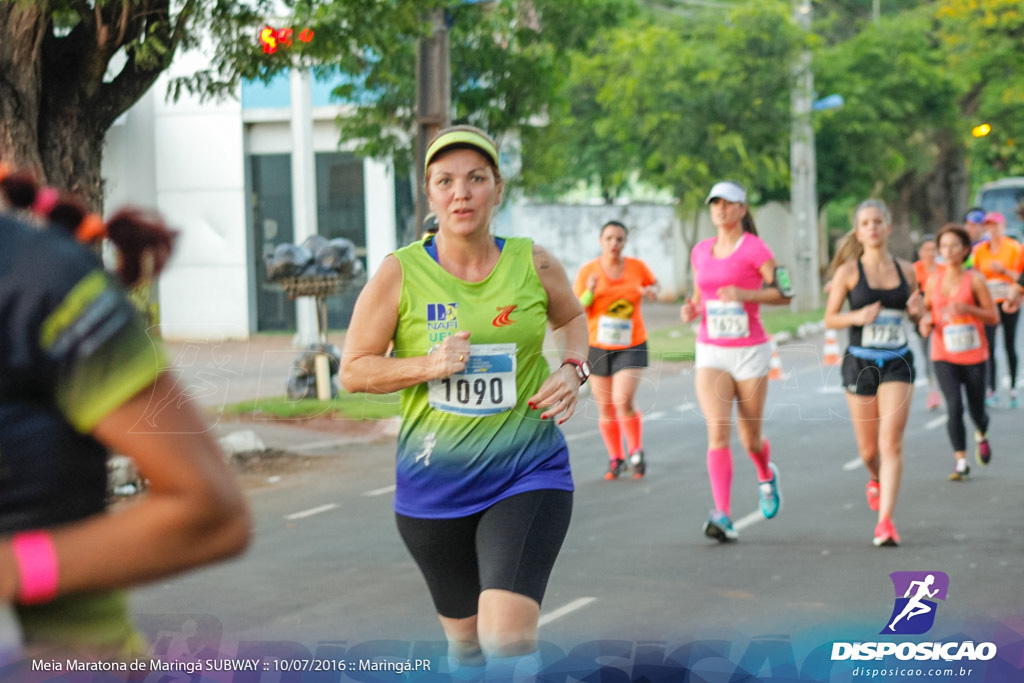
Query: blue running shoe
point(719, 527)
point(768, 491)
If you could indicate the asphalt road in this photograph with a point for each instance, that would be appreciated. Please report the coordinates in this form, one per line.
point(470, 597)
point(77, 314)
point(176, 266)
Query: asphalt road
point(327, 575)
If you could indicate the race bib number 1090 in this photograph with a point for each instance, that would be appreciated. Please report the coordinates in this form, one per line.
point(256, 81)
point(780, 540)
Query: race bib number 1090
point(486, 387)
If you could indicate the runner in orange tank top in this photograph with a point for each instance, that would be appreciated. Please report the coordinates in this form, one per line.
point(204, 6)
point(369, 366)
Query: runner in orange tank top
point(959, 304)
point(996, 259)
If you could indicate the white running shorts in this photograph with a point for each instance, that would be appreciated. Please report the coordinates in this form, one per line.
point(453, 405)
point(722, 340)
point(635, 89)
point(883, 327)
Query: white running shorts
point(742, 362)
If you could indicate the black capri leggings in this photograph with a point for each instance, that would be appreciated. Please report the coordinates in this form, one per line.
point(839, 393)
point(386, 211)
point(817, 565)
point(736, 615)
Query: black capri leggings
point(1009, 324)
point(972, 380)
point(511, 546)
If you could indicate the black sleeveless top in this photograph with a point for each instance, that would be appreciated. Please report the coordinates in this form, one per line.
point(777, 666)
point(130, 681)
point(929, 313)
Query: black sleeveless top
point(862, 294)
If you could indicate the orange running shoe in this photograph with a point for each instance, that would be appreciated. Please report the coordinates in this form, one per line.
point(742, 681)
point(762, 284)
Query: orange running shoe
point(874, 491)
point(885, 534)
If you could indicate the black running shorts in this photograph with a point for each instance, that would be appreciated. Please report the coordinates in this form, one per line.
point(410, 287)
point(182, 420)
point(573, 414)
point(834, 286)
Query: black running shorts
point(511, 546)
point(862, 376)
point(605, 362)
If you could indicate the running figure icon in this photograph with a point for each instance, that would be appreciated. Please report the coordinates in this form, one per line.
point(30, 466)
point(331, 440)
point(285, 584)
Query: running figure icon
point(917, 596)
point(915, 606)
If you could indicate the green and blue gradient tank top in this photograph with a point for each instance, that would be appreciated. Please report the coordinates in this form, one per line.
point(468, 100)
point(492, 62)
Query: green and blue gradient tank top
point(470, 440)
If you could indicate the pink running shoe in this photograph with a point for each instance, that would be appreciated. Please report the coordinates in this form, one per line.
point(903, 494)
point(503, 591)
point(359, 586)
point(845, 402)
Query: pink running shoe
point(874, 495)
point(984, 452)
point(933, 401)
point(885, 534)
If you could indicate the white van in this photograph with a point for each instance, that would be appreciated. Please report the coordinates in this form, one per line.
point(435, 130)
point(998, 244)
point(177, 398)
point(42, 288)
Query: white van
point(1006, 196)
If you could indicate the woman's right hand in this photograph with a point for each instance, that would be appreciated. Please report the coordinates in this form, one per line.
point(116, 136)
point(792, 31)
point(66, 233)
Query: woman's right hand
point(688, 312)
point(869, 313)
point(925, 325)
point(451, 356)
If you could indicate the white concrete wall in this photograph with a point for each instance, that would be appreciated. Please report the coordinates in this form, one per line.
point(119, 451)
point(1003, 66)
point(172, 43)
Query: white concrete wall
point(656, 235)
point(571, 233)
point(200, 183)
point(187, 159)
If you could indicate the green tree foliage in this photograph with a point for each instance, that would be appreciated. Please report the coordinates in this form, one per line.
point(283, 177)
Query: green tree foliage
point(683, 102)
point(506, 65)
point(984, 43)
point(69, 69)
point(899, 117)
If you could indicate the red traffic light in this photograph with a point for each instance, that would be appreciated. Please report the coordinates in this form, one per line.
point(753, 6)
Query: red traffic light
point(273, 38)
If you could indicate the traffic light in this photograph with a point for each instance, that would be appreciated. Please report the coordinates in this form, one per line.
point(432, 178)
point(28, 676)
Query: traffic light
point(273, 38)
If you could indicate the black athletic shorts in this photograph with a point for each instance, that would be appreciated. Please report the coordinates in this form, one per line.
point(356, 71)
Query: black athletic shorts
point(511, 546)
point(605, 362)
point(862, 376)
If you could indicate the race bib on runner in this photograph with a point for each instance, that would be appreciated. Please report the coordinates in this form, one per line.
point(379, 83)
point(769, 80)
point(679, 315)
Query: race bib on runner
point(886, 332)
point(961, 336)
point(614, 331)
point(999, 289)
point(486, 387)
point(726, 319)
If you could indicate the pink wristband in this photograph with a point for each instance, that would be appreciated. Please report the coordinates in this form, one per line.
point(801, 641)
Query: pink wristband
point(37, 566)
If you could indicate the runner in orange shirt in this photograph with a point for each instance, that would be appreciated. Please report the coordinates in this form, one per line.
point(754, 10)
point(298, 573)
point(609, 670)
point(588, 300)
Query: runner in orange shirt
point(611, 288)
point(958, 306)
point(996, 259)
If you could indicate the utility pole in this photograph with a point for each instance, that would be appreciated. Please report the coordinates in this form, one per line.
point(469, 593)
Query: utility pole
point(433, 95)
point(803, 180)
point(304, 211)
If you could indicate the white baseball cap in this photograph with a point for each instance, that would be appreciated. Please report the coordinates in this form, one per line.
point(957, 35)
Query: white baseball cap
point(729, 191)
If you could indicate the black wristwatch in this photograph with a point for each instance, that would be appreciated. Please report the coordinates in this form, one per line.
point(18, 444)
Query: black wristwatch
point(582, 369)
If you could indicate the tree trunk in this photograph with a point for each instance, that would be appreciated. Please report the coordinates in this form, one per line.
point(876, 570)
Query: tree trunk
point(947, 185)
point(20, 66)
point(56, 103)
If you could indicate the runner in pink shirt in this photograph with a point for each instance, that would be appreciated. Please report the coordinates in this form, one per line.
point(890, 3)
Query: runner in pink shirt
point(734, 273)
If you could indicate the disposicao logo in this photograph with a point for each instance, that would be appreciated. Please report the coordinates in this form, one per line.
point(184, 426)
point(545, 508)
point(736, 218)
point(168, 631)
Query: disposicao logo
point(916, 592)
point(913, 613)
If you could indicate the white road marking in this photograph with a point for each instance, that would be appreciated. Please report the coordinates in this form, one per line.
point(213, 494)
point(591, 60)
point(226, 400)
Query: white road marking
point(311, 512)
point(381, 491)
point(318, 445)
point(748, 520)
point(578, 603)
point(936, 422)
point(853, 464)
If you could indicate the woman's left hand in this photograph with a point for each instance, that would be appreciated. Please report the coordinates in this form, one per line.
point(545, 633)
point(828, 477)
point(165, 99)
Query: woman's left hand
point(558, 395)
point(915, 305)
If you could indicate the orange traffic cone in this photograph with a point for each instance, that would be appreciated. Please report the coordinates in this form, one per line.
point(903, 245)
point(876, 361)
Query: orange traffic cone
point(775, 366)
point(831, 354)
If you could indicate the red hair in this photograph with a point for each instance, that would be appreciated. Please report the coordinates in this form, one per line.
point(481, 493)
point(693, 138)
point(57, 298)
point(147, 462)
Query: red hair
point(145, 243)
